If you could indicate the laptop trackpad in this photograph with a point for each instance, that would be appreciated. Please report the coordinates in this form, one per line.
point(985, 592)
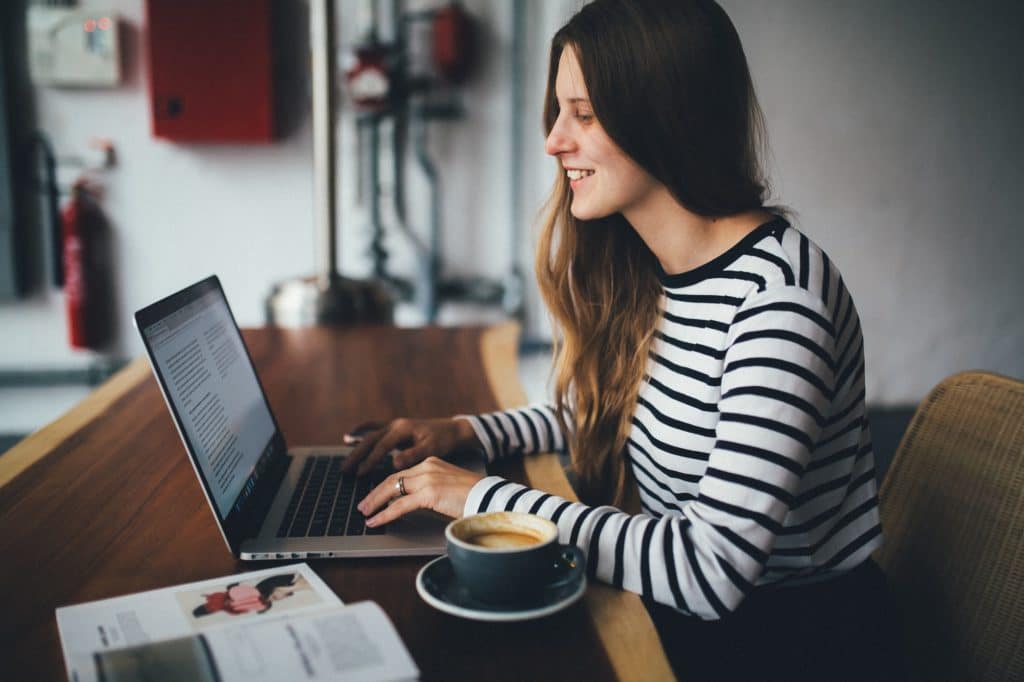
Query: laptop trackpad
point(419, 522)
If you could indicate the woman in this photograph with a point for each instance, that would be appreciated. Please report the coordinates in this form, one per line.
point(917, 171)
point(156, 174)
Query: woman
point(709, 357)
point(239, 598)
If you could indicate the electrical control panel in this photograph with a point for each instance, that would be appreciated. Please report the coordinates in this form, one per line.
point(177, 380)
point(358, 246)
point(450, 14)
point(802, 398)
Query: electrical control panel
point(211, 70)
point(74, 47)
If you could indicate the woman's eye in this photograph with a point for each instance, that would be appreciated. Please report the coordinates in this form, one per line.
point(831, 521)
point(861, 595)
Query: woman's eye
point(585, 118)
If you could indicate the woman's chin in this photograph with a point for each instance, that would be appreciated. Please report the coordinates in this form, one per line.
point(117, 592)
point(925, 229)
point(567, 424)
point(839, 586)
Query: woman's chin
point(583, 212)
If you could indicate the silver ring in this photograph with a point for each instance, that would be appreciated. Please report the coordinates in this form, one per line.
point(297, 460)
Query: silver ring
point(400, 486)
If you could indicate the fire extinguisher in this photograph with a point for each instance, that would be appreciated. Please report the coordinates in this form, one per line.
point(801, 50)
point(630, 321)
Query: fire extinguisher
point(85, 249)
point(454, 47)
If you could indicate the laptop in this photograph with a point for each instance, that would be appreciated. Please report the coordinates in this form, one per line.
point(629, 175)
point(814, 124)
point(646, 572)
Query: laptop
point(270, 502)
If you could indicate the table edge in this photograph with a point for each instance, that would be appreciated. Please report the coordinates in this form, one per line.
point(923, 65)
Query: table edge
point(39, 444)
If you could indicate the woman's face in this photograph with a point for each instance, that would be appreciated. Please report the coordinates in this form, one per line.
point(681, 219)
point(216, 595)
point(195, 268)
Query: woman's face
point(603, 179)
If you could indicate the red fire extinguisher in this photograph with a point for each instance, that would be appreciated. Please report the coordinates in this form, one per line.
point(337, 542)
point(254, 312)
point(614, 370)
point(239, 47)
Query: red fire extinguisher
point(454, 46)
point(87, 290)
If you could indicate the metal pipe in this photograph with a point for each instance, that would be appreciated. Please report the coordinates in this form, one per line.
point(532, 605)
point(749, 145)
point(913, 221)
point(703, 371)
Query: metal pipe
point(51, 194)
point(400, 130)
point(513, 297)
point(401, 115)
point(380, 254)
point(326, 297)
point(434, 253)
point(325, 166)
point(516, 137)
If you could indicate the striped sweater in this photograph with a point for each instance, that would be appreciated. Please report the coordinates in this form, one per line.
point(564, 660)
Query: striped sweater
point(749, 442)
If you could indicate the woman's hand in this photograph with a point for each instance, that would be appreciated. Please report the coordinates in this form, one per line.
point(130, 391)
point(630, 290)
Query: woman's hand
point(417, 439)
point(431, 484)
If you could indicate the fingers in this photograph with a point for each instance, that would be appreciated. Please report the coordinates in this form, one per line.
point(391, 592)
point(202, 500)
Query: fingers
point(417, 439)
point(420, 484)
point(400, 507)
point(355, 435)
point(432, 484)
point(410, 456)
point(375, 444)
point(390, 439)
point(361, 450)
point(387, 490)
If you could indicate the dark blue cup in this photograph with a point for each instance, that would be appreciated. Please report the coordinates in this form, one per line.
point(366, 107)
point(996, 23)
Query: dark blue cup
point(509, 557)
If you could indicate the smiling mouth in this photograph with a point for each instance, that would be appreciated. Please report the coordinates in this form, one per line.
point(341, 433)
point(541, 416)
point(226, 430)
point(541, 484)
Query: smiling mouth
point(578, 173)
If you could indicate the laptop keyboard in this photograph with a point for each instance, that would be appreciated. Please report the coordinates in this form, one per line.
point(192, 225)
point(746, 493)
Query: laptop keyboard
point(324, 501)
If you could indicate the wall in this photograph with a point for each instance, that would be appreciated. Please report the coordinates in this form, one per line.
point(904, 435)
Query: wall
point(896, 130)
point(895, 134)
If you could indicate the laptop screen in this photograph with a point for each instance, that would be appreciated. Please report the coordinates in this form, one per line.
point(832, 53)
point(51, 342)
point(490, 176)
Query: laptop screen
point(212, 388)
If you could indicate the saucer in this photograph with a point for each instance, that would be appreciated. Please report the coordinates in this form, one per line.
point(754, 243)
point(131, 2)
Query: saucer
point(438, 586)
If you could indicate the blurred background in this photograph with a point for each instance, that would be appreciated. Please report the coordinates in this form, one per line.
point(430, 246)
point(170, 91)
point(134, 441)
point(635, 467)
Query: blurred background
point(145, 144)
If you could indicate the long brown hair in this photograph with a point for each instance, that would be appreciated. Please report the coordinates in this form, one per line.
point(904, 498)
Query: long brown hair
point(669, 83)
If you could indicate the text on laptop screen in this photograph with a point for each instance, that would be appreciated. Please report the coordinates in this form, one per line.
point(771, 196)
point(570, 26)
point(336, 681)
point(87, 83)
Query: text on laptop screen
point(215, 392)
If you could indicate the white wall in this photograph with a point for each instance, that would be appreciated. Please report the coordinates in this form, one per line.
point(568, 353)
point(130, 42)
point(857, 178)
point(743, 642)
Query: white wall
point(178, 212)
point(895, 130)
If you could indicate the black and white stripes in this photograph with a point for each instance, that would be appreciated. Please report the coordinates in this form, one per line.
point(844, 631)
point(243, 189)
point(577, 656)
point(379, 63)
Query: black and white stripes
point(750, 444)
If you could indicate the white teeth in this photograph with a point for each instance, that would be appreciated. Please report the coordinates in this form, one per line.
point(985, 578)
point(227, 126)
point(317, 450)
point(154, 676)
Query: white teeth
point(576, 173)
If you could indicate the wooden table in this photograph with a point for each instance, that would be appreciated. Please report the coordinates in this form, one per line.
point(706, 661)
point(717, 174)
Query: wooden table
point(104, 502)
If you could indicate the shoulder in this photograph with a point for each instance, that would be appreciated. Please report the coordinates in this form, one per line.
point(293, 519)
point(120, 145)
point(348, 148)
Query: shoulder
point(791, 266)
point(783, 306)
point(774, 264)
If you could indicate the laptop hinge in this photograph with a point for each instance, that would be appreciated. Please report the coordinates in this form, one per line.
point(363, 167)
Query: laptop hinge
point(263, 496)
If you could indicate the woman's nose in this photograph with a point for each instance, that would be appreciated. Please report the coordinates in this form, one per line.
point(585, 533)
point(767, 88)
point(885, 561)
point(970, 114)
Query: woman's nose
point(557, 141)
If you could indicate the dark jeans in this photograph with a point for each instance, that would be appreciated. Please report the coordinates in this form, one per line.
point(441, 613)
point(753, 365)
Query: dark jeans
point(839, 629)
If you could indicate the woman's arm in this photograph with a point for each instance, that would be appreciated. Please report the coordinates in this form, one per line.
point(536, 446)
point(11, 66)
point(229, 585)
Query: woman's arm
point(777, 383)
point(776, 389)
point(526, 430)
point(521, 431)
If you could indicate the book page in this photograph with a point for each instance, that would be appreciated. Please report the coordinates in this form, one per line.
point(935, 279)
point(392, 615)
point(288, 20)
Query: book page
point(185, 610)
point(353, 643)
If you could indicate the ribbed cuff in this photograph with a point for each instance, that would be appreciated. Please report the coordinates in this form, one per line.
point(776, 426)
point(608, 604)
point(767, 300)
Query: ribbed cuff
point(481, 435)
point(478, 492)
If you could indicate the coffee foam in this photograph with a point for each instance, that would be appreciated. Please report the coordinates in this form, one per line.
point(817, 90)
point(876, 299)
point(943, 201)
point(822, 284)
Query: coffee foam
point(498, 522)
point(505, 539)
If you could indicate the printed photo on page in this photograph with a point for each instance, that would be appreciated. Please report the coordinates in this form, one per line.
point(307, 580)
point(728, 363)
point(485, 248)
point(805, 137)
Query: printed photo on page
point(185, 610)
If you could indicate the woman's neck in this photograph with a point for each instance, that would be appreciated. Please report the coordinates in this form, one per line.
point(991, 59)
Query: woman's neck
point(682, 240)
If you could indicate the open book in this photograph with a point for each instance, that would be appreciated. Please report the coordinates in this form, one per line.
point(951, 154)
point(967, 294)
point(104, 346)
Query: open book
point(273, 624)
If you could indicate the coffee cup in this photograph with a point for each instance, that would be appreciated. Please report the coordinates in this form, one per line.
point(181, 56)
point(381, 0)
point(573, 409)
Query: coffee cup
point(510, 557)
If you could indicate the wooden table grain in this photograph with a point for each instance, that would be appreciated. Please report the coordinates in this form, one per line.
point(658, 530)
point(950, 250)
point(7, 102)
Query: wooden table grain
point(104, 502)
